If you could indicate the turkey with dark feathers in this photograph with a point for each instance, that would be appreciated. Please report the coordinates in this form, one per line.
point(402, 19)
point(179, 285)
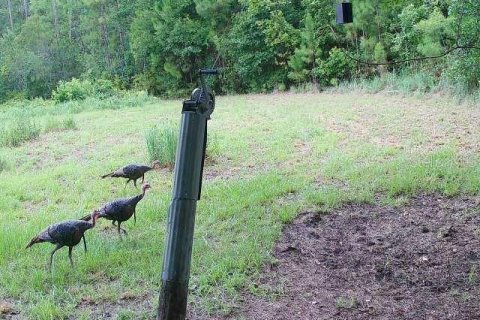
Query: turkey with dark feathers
point(121, 210)
point(133, 172)
point(65, 234)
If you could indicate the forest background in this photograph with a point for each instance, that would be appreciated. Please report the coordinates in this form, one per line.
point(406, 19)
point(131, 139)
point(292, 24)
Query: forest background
point(262, 46)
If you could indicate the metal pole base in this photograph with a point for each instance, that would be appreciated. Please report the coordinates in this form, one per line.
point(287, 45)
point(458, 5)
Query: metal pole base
point(173, 301)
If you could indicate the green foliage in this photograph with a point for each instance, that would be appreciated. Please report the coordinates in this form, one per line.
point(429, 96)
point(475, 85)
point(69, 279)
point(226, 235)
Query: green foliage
point(304, 59)
point(103, 89)
point(298, 72)
point(280, 35)
point(408, 37)
point(434, 30)
point(379, 53)
point(262, 46)
point(76, 89)
point(464, 72)
point(253, 60)
point(180, 47)
point(336, 68)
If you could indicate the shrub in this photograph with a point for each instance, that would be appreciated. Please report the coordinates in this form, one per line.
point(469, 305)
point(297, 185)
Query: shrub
point(19, 130)
point(103, 89)
point(337, 67)
point(74, 89)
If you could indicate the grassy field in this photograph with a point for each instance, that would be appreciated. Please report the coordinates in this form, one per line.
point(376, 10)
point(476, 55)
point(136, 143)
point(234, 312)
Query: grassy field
point(276, 155)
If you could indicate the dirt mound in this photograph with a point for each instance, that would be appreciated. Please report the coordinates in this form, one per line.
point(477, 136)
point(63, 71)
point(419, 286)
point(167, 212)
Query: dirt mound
point(421, 261)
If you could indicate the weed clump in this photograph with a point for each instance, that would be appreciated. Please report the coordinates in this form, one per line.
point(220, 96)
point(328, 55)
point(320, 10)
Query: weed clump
point(19, 130)
point(3, 164)
point(162, 144)
point(53, 124)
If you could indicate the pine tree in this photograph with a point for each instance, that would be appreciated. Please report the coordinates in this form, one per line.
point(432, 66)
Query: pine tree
point(304, 60)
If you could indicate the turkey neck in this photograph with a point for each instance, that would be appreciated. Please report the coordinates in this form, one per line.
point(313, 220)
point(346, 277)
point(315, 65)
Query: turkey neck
point(94, 220)
point(140, 196)
point(136, 199)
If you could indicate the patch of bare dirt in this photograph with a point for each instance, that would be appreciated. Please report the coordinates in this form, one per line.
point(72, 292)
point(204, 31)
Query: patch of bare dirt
point(421, 261)
point(234, 172)
point(128, 303)
point(214, 173)
point(7, 309)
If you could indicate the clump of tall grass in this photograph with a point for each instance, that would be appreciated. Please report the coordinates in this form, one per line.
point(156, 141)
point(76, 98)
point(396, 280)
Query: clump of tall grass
point(162, 143)
point(53, 124)
point(17, 131)
point(307, 87)
point(213, 147)
point(3, 164)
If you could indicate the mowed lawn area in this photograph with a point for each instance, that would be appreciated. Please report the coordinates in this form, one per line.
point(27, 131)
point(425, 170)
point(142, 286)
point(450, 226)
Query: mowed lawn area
point(275, 156)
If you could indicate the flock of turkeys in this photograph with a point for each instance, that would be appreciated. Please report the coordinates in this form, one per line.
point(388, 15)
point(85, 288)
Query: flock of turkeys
point(69, 233)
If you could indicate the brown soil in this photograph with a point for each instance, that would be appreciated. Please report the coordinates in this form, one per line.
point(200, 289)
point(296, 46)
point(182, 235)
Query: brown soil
point(421, 261)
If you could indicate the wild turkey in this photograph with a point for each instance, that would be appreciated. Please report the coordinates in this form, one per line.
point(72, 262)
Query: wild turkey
point(133, 172)
point(121, 210)
point(65, 234)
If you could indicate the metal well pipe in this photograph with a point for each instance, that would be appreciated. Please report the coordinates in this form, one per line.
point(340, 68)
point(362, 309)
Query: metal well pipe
point(181, 217)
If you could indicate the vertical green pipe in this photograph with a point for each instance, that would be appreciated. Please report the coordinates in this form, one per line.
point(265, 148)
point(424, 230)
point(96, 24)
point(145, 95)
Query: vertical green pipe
point(181, 216)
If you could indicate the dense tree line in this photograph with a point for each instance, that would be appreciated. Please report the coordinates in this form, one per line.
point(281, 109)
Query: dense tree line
point(262, 45)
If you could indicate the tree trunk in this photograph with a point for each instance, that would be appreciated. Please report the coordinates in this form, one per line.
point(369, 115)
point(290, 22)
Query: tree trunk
point(26, 9)
point(70, 19)
point(10, 14)
point(55, 18)
point(105, 38)
point(121, 35)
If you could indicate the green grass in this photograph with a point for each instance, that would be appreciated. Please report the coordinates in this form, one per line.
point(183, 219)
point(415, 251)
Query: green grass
point(275, 156)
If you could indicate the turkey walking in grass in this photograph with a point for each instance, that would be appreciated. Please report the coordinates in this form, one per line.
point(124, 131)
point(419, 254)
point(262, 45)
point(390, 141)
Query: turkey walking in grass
point(121, 210)
point(133, 172)
point(65, 234)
